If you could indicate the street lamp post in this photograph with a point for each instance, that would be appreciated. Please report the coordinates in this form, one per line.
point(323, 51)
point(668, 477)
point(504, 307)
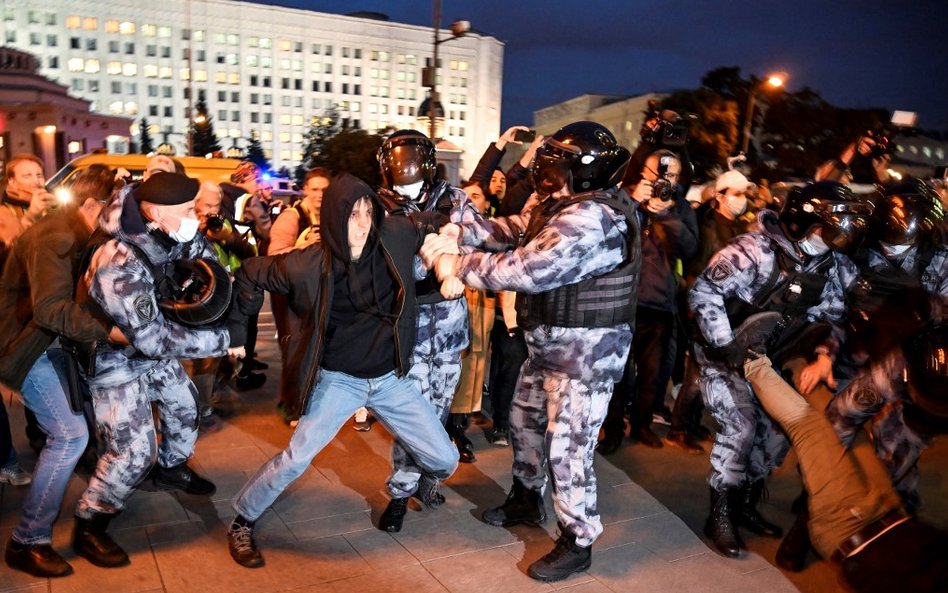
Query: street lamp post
point(430, 74)
point(775, 81)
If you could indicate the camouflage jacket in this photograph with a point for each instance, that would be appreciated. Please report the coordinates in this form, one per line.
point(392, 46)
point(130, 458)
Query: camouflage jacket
point(443, 328)
point(934, 277)
point(742, 269)
point(581, 241)
point(122, 285)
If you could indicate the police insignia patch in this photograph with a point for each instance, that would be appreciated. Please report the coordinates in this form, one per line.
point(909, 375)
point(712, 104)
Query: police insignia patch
point(145, 307)
point(721, 271)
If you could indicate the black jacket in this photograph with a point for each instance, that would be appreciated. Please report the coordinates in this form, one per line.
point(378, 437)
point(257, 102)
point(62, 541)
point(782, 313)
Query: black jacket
point(306, 277)
point(518, 180)
point(665, 238)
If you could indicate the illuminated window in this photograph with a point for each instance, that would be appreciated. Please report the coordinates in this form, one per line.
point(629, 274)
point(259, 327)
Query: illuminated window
point(131, 108)
point(200, 35)
point(253, 42)
point(220, 38)
point(185, 74)
point(116, 107)
point(252, 60)
point(164, 32)
point(454, 64)
point(284, 136)
point(285, 45)
point(73, 22)
point(200, 75)
point(233, 78)
point(150, 71)
point(267, 136)
point(164, 72)
point(111, 26)
point(149, 30)
point(233, 39)
point(92, 66)
point(220, 77)
point(127, 28)
point(297, 120)
point(75, 65)
point(129, 69)
point(285, 155)
point(90, 23)
point(114, 68)
point(315, 67)
point(266, 42)
point(285, 119)
point(266, 61)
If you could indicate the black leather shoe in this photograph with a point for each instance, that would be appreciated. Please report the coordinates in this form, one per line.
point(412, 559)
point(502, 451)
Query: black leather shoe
point(394, 515)
point(793, 550)
point(428, 493)
point(684, 441)
point(95, 545)
point(747, 515)
point(648, 438)
point(465, 450)
point(39, 560)
point(565, 559)
point(182, 477)
point(243, 549)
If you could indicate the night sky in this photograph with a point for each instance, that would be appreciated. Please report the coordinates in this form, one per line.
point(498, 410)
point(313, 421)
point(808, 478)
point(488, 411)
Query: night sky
point(855, 53)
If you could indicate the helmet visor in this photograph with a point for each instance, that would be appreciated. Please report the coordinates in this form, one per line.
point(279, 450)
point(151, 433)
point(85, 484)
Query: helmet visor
point(551, 169)
point(405, 164)
point(844, 225)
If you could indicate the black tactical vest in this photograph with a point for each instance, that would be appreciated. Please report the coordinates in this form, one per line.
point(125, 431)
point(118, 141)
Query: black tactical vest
point(602, 301)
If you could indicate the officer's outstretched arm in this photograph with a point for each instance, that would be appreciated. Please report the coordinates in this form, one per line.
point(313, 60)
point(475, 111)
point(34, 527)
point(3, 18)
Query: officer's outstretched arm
point(732, 272)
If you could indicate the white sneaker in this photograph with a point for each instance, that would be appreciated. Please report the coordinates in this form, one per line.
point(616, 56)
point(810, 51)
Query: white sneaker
point(14, 475)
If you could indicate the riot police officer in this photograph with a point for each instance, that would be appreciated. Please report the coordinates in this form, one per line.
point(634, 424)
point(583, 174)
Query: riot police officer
point(410, 185)
point(574, 260)
point(790, 265)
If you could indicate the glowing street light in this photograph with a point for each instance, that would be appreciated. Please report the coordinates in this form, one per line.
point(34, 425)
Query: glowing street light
point(774, 81)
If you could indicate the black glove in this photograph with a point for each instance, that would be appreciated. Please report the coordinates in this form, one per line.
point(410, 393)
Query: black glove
point(732, 354)
point(236, 323)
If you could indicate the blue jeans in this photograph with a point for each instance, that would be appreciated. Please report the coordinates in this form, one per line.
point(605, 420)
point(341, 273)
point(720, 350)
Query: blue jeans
point(44, 392)
point(394, 401)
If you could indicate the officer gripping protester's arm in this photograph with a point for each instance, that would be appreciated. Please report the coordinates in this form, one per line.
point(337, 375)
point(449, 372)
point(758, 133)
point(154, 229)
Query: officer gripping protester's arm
point(158, 281)
point(574, 260)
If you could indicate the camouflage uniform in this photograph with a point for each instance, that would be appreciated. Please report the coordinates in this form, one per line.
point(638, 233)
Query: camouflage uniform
point(565, 385)
point(128, 379)
point(877, 390)
point(443, 334)
point(748, 446)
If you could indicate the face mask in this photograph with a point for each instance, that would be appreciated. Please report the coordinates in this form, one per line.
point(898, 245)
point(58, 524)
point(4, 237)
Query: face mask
point(410, 191)
point(813, 245)
point(736, 205)
point(892, 250)
point(187, 229)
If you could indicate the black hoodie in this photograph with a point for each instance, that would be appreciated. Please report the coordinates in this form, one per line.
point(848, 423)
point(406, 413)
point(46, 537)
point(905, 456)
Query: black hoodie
point(360, 334)
point(307, 276)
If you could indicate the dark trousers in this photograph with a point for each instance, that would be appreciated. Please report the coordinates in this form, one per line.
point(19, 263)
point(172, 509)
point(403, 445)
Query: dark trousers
point(686, 415)
point(646, 373)
point(508, 354)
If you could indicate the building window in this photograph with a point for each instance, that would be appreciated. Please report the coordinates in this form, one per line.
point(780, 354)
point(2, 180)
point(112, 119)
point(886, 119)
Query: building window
point(328, 50)
point(129, 69)
point(164, 72)
point(127, 28)
point(75, 65)
point(77, 84)
point(52, 62)
point(267, 119)
point(168, 111)
point(92, 67)
point(149, 30)
point(116, 88)
point(316, 48)
point(222, 115)
point(35, 39)
point(90, 23)
point(164, 32)
point(151, 51)
point(113, 47)
point(72, 21)
point(75, 43)
point(152, 111)
point(166, 52)
point(111, 26)
point(52, 41)
point(254, 117)
point(358, 54)
point(234, 116)
point(10, 36)
point(129, 49)
point(298, 84)
point(327, 87)
point(235, 97)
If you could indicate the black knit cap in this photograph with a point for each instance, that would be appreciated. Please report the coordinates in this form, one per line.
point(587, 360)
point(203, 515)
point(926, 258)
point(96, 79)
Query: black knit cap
point(167, 189)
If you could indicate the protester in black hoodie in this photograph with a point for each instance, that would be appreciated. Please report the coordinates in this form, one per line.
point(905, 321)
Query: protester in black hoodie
point(357, 286)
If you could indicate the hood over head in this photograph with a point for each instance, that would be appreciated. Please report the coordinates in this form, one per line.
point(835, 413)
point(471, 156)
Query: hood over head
point(338, 201)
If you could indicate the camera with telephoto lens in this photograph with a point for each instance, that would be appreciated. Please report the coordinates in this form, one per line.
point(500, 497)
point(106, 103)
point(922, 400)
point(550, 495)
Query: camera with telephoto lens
point(215, 223)
point(662, 189)
point(670, 128)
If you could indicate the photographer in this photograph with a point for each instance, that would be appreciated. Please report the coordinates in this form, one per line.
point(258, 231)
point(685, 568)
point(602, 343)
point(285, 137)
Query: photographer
point(669, 232)
point(662, 129)
point(871, 166)
point(508, 192)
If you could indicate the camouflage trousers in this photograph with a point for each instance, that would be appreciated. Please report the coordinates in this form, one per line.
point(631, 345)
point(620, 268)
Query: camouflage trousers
point(748, 445)
point(875, 396)
point(554, 426)
point(123, 414)
point(436, 379)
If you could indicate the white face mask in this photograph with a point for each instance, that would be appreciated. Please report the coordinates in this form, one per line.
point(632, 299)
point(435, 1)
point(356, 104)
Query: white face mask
point(736, 205)
point(813, 245)
point(892, 250)
point(187, 229)
point(409, 191)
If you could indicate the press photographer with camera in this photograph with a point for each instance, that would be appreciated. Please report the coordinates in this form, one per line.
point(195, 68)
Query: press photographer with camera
point(662, 129)
point(865, 160)
point(669, 232)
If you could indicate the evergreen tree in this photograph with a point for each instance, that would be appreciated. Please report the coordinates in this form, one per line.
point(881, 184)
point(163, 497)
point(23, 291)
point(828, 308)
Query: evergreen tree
point(255, 153)
point(353, 151)
point(321, 130)
point(203, 139)
point(146, 144)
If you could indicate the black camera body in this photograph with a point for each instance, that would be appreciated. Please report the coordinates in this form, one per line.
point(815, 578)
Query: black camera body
point(662, 189)
point(215, 223)
point(671, 130)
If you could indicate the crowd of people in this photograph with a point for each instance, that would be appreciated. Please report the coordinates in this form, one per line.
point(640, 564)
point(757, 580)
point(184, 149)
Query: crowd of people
point(567, 299)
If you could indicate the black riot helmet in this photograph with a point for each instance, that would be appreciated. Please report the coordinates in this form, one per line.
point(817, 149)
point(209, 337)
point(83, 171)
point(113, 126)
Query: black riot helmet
point(202, 292)
point(907, 212)
point(927, 374)
point(407, 157)
point(584, 156)
point(842, 217)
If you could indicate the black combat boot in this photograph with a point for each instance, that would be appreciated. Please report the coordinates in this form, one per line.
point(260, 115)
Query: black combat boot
point(95, 545)
point(720, 528)
point(393, 515)
point(791, 555)
point(565, 559)
point(182, 477)
point(522, 506)
point(428, 492)
point(746, 514)
point(240, 542)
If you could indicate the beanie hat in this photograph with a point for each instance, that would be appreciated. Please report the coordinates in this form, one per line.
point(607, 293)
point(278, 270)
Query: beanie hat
point(731, 180)
point(167, 189)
